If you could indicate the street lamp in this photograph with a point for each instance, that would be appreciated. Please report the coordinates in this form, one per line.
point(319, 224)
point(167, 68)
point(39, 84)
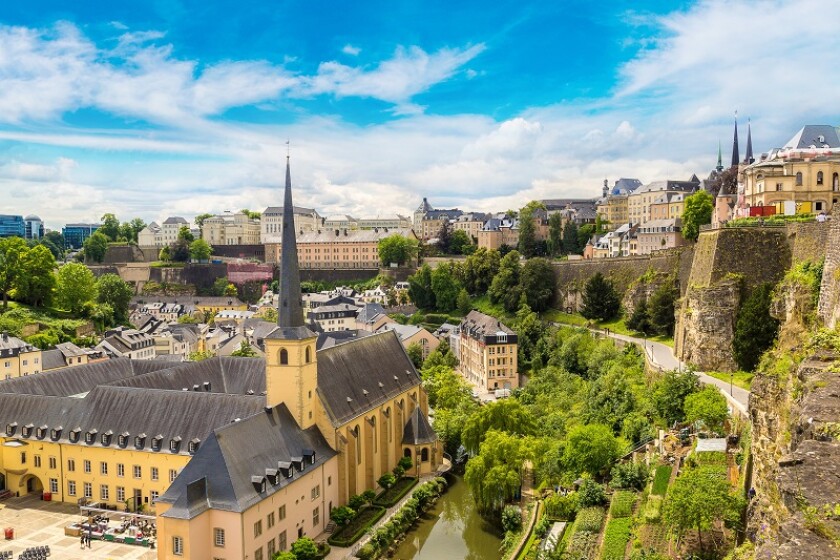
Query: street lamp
point(731, 378)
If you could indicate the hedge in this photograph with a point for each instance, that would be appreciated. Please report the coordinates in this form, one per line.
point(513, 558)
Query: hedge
point(622, 504)
point(396, 492)
point(354, 530)
point(661, 479)
point(616, 536)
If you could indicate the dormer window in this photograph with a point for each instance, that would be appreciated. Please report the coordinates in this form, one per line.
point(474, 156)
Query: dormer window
point(193, 446)
point(156, 442)
point(298, 463)
point(309, 456)
point(90, 437)
point(105, 439)
point(41, 432)
point(286, 468)
point(27, 430)
point(260, 484)
point(11, 428)
point(175, 444)
point(140, 441)
point(74, 435)
point(273, 476)
point(55, 433)
point(122, 439)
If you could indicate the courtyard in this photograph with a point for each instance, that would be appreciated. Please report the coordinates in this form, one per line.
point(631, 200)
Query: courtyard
point(39, 523)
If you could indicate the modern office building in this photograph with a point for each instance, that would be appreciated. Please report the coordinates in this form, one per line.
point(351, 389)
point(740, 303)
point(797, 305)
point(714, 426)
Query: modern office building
point(11, 226)
point(76, 234)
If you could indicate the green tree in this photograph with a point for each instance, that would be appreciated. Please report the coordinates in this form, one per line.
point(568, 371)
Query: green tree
point(398, 249)
point(284, 555)
point(707, 406)
point(555, 234)
point(180, 250)
point(507, 415)
point(165, 254)
point(57, 239)
point(600, 300)
point(444, 237)
point(669, 393)
point(464, 304)
point(570, 239)
point(459, 242)
point(219, 287)
point(479, 270)
point(698, 211)
point(441, 357)
point(199, 220)
point(37, 282)
point(591, 448)
point(387, 480)
point(415, 354)
point(184, 234)
point(200, 356)
point(639, 320)
point(420, 288)
point(538, 283)
point(445, 287)
point(76, 287)
point(200, 250)
point(112, 290)
point(110, 227)
point(661, 309)
point(698, 498)
point(497, 472)
point(56, 250)
point(231, 290)
point(12, 252)
point(528, 230)
point(342, 515)
point(137, 225)
point(755, 328)
point(506, 288)
point(529, 330)
point(244, 351)
point(251, 214)
point(96, 246)
point(305, 549)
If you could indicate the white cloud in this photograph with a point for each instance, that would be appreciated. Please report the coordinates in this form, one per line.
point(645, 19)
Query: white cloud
point(351, 50)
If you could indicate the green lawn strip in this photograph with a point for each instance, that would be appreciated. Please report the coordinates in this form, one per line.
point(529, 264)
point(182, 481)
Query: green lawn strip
point(616, 537)
point(357, 527)
point(740, 379)
point(661, 479)
point(396, 492)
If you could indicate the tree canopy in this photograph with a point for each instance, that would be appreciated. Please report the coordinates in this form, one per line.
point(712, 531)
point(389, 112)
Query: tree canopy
point(96, 246)
point(698, 211)
point(76, 287)
point(112, 290)
point(707, 406)
point(398, 249)
point(755, 328)
point(538, 283)
point(505, 287)
point(200, 250)
point(600, 300)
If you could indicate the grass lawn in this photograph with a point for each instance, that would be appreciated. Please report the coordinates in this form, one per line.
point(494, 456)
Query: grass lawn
point(616, 537)
point(484, 305)
point(615, 325)
point(740, 379)
point(661, 480)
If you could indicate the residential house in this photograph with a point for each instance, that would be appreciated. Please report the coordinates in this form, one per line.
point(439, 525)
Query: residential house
point(18, 358)
point(123, 342)
point(68, 354)
point(470, 223)
point(488, 352)
point(159, 236)
point(641, 199)
point(433, 220)
point(656, 235)
point(413, 334)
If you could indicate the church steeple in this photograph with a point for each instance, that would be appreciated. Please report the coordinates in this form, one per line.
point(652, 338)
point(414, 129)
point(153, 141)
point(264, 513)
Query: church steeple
point(719, 167)
point(735, 156)
point(749, 158)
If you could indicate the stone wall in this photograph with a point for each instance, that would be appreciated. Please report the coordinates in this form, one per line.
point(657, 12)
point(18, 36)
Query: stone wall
point(239, 252)
point(622, 271)
point(829, 306)
point(706, 325)
point(338, 274)
point(808, 241)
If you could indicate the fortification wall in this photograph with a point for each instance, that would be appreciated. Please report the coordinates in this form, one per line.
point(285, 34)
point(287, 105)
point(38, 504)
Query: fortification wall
point(760, 254)
point(829, 306)
point(808, 241)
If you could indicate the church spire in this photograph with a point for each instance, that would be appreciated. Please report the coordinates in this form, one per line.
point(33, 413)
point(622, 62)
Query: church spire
point(735, 156)
point(289, 310)
point(749, 157)
point(719, 167)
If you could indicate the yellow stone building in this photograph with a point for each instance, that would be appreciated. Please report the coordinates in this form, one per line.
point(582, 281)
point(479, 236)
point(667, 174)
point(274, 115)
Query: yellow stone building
point(18, 358)
point(488, 352)
point(236, 457)
point(805, 171)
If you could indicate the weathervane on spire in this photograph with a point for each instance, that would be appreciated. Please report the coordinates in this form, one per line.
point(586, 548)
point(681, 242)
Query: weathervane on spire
point(288, 148)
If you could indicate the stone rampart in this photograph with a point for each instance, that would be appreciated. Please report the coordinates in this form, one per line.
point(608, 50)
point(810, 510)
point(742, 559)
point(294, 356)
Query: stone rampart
point(829, 306)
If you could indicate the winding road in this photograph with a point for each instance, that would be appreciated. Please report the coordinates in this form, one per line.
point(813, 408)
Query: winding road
point(662, 357)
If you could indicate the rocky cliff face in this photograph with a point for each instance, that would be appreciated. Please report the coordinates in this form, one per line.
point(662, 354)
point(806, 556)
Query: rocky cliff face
point(795, 409)
point(706, 325)
point(829, 308)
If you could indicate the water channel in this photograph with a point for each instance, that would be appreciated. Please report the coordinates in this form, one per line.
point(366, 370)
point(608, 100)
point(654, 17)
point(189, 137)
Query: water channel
point(452, 530)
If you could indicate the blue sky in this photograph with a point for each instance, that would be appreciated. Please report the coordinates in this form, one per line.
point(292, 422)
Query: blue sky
point(176, 107)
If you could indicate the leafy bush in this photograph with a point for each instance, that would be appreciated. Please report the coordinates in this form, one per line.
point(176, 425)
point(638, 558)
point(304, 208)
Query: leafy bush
point(342, 515)
point(395, 492)
point(630, 475)
point(511, 518)
point(622, 504)
point(354, 530)
point(591, 494)
point(616, 536)
point(653, 509)
point(661, 479)
point(590, 520)
point(561, 507)
point(367, 552)
point(755, 328)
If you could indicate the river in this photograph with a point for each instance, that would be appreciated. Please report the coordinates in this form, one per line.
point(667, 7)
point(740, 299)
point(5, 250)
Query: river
point(452, 530)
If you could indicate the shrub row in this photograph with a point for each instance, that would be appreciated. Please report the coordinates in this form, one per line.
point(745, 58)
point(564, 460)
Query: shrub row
point(357, 527)
point(661, 479)
point(622, 504)
point(422, 498)
point(616, 537)
point(561, 508)
point(396, 492)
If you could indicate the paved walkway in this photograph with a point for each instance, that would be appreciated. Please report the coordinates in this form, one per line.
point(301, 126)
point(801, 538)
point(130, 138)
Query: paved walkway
point(39, 523)
point(662, 356)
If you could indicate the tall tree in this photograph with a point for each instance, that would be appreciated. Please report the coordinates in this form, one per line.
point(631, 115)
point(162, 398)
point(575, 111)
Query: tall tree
point(661, 308)
point(479, 270)
point(600, 300)
point(459, 242)
point(420, 288)
point(76, 287)
point(445, 287)
point(505, 288)
point(755, 328)
point(184, 234)
point(445, 236)
point(199, 220)
point(669, 393)
point(36, 284)
point(12, 253)
point(200, 250)
point(538, 283)
point(570, 239)
point(555, 234)
point(698, 211)
point(708, 406)
point(639, 320)
point(527, 232)
point(96, 246)
point(114, 291)
point(110, 227)
point(398, 249)
point(699, 497)
point(591, 448)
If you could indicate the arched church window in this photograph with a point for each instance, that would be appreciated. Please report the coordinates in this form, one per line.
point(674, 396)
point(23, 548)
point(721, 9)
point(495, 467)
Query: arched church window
point(798, 178)
point(819, 177)
point(424, 454)
point(407, 453)
point(835, 182)
point(284, 357)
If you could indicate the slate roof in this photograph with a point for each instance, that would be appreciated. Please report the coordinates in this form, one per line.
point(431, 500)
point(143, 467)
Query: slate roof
point(482, 324)
point(370, 312)
point(355, 378)
point(208, 301)
point(403, 331)
point(225, 375)
point(78, 379)
point(418, 430)
point(809, 135)
point(175, 220)
point(12, 346)
point(329, 339)
point(278, 211)
point(52, 359)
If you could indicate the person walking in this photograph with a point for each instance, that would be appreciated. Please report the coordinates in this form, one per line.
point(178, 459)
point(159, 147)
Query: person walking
point(82, 541)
